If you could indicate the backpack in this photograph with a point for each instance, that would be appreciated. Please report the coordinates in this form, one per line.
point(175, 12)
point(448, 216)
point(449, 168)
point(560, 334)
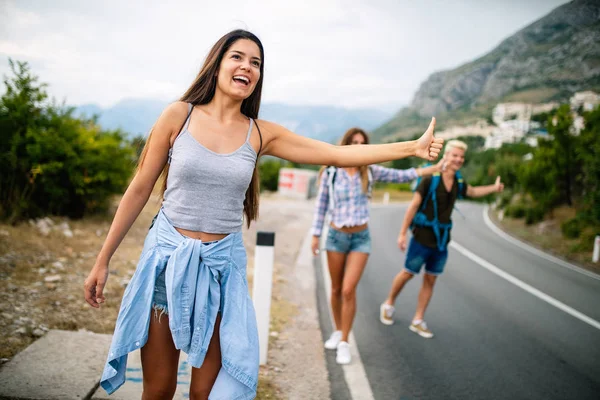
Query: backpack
point(331, 175)
point(440, 230)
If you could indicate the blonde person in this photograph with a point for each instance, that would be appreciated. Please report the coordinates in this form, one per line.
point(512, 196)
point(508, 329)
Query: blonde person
point(189, 290)
point(429, 215)
point(345, 192)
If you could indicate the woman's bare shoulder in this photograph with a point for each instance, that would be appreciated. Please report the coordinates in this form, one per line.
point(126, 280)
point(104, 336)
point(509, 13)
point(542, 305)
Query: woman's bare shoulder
point(271, 128)
point(175, 112)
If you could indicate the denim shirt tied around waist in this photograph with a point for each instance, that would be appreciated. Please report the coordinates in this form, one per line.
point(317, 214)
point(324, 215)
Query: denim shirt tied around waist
point(201, 280)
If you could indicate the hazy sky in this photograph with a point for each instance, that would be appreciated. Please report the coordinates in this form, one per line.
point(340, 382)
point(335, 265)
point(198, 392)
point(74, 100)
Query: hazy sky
point(354, 53)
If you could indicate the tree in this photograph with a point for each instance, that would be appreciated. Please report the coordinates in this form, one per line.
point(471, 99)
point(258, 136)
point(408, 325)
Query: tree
point(564, 144)
point(540, 175)
point(52, 162)
point(588, 154)
point(21, 111)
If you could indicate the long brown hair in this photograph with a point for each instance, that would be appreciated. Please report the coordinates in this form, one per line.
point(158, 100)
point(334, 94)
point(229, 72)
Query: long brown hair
point(203, 90)
point(363, 170)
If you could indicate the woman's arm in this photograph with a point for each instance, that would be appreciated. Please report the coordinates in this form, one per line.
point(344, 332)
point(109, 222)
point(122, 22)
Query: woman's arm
point(285, 144)
point(393, 175)
point(322, 204)
point(135, 197)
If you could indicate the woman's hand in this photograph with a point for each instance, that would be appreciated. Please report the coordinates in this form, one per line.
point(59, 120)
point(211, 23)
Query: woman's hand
point(314, 245)
point(94, 285)
point(428, 147)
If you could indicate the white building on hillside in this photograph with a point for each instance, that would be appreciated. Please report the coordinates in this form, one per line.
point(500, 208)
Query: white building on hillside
point(510, 132)
point(513, 122)
point(587, 100)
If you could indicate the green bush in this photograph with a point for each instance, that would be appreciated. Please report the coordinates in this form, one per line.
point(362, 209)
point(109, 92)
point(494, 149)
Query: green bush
point(534, 214)
point(586, 240)
point(572, 228)
point(515, 211)
point(269, 174)
point(52, 162)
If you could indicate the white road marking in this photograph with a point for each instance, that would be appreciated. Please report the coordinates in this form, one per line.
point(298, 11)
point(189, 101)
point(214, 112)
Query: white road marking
point(528, 288)
point(532, 249)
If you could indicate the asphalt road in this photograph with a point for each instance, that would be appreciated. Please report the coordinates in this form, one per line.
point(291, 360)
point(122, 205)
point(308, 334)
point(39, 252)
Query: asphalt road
point(493, 339)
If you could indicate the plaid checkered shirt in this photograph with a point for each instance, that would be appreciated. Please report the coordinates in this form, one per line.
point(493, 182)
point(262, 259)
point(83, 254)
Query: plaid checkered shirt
point(351, 203)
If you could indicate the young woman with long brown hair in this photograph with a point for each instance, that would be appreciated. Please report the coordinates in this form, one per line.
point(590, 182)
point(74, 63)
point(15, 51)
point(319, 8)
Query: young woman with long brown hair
point(189, 291)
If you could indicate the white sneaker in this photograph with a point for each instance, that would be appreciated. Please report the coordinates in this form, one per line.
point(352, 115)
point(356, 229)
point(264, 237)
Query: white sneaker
point(386, 314)
point(343, 353)
point(334, 340)
point(421, 329)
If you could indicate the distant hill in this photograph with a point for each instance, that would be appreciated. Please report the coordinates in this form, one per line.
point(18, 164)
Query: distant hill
point(136, 117)
point(133, 116)
point(547, 60)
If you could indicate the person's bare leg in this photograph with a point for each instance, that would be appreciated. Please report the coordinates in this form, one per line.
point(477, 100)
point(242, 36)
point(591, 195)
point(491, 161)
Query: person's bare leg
point(160, 359)
point(336, 263)
point(424, 296)
point(355, 265)
point(397, 284)
point(204, 378)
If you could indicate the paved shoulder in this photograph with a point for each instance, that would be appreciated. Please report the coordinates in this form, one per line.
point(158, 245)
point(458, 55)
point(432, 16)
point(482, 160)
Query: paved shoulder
point(60, 365)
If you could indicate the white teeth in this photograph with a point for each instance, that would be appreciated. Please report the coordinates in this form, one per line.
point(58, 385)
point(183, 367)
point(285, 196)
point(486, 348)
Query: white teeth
point(242, 78)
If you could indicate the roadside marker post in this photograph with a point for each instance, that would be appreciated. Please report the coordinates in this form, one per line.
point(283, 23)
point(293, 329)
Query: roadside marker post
point(261, 290)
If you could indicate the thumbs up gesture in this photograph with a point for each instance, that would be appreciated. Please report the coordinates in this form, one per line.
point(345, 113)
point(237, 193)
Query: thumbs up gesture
point(498, 185)
point(429, 147)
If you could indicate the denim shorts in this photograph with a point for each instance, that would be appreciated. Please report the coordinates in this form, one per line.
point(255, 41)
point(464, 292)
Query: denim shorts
point(342, 242)
point(159, 303)
point(418, 254)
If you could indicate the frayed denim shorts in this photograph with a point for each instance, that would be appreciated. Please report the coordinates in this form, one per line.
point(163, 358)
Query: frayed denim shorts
point(159, 303)
point(342, 242)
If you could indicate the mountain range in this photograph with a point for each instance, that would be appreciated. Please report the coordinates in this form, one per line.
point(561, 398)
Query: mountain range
point(136, 116)
point(547, 60)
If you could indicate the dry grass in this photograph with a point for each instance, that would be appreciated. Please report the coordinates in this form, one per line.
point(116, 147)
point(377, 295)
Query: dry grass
point(27, 258)
point(266, 389)
point(547, 235)
point(396, 196)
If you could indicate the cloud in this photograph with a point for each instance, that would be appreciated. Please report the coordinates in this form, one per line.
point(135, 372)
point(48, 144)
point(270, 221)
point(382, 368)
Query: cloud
point(355, 53)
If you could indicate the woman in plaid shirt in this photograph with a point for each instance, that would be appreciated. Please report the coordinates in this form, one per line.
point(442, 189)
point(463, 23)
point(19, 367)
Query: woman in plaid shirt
point(348, 241)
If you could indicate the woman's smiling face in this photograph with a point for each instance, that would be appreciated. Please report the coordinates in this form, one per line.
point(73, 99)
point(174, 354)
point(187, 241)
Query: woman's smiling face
point(240, 68)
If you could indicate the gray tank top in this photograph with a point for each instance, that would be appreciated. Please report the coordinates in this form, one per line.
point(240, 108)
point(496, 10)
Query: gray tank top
point(206, 190)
